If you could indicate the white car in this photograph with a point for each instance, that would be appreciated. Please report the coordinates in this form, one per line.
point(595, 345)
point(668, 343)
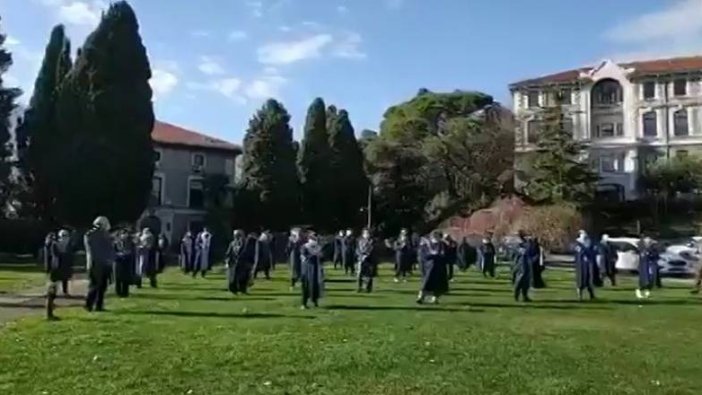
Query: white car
point(675, 260)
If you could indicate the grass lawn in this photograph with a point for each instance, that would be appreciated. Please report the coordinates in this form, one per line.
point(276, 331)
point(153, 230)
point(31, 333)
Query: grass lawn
point(191, 337)
point(15, 277)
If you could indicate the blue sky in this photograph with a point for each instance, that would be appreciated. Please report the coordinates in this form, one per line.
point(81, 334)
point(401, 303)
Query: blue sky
point(216, 61)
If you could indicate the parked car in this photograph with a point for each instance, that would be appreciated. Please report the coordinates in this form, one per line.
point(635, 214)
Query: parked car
point(675, 260)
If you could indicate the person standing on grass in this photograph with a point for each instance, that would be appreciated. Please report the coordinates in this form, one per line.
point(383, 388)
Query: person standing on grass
point(432, 260)
point(337, 257)
point(522, 269)
point(66, 252)
point(124, 263)
point(264, 256)
point(51, 267)
point(147, 256)
point(486, 256)
point(538, 264)
point(465, 255)
point(366, 267)
point(584, 263)
point(100, 258)
point(607, 259)
point(648, 268)
point(203, 242)
point(312, 274)
point(295, 244)
point(403, 256)
point(348, 252)
point(238, 260)
point(415, 240)
point(187, 252)
point(162, 252)
point(450, 254)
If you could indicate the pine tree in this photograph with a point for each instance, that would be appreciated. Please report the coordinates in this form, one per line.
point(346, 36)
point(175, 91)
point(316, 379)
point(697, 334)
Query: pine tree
point(313, 165)
point(269, 193)
point(558, 172)
point(37, 137)
point(349, 187)
point(105, 120)
point(8, 95)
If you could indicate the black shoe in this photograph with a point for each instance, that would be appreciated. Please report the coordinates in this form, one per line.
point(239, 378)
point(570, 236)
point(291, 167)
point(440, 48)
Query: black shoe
point(53, 318)
point(88, 309)
point(420, 301)
point(528, 300)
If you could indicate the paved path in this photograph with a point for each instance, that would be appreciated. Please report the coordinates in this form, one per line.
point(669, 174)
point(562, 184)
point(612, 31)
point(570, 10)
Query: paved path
point(31, 301)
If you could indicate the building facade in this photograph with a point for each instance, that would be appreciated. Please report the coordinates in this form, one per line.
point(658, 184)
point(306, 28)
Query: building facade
point(183, 160)
point(628, 115)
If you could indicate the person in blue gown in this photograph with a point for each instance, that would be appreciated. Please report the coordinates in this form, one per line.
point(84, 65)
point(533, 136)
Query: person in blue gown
point(486, 256)
point(238, 260)
point(648, 268)
point(348, 252)
point(366, 268)
point(522, 268)
point(295, 243)
point(312, 273)
point(403, 256)
point(584, 265)
point(432, 259)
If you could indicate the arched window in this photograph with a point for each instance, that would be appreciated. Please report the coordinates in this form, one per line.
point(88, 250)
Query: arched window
point(680, 125)
point(650, 127)
point(607, 92)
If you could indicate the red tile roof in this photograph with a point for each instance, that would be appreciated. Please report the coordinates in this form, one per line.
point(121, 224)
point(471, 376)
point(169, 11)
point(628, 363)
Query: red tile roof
point(165, 133)
point(641, 68)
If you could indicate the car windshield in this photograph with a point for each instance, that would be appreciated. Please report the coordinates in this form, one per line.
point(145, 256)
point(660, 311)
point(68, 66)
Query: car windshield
point(623, 247)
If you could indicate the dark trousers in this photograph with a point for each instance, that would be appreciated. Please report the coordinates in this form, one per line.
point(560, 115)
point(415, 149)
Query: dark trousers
point(612, 278)
point(590, 290)
point(64, 286)
point(402, 269)
point(153, 282)
point(368, 283)
point(202, 273)
point(122, 288)
point(97, 286)
point(266, 272)
point(521, 289)
point(450, 270)
point(308, 294)
point(488, 269)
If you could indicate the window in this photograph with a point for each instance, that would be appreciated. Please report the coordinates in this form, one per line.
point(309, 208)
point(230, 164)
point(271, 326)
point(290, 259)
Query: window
point(608, 164)
point(198, 160)
point(157, 190)
point(650, 128)
point(649, 90)
point(680, 87)
point(533, 127)
point(196, 196)
point(607, 92)
point(550, 98)
point(157, 157)
point(680, 126)
point(620, 129)
point(566, 96)
point(533, 99)
point(681, 153)
point(605, 130)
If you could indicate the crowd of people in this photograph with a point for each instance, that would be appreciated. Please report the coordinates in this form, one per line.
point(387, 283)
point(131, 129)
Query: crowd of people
point(126, 258)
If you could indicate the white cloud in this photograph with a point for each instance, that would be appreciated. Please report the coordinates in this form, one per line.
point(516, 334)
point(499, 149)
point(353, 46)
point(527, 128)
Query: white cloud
point(11, 81)
point(349, 47)
point(342, 9)
point(210, 66)
point(80, 13)
point(265, 87)
point(227, 87)
point(237, 35)
point(673, 30)
point(163, 82)
point(12, 41)
point(287, 52)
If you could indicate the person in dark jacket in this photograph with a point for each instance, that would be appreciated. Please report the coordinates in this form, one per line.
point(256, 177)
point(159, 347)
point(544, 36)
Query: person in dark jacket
point(522, 268)
point(486, 257)
point(349, 252)
point(100, 258)
point(538, 265)
point(162, 245)
point(187, 252)
point(125, 255)
point(466, 255)
point(403, 256)
point(366, 268)
point(450, 254)
point(337, 257)
point(264, 256)
point(607, 259)
point(312, 275)
point(51, 268)
point(584, 263)
point(295, 243)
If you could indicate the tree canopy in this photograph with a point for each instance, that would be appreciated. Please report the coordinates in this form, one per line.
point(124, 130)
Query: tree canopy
point(8, 95)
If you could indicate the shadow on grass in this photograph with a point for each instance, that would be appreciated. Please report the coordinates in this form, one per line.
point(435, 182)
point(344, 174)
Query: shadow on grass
point(402, 308)
point(227, 298)
point(340, 280)
point(22, 305)
point(204, 314)
point(539, 305)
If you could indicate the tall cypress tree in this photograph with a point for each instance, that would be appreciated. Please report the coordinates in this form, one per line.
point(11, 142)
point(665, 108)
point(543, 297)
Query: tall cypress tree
point(313, 165)
point(8, 95)
point(269, 192)
point(349, 191)
point(37, 137)
point(105, 120)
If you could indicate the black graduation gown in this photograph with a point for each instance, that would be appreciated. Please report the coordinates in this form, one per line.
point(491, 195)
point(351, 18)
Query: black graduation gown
point(348, 252)
point(187, 253)
point(295, 259)
point(52, 261)
point(162, 251)
point(450, 252)
point(312, 275)
point(239, 258)
point(432, 258)
point(648, 267)
point(364, 255)
point(403, 256)
point(607, 253)
point(522, 269)
point(466, 255)
point(537, 268)
point(337, 257)
point(124, 261)
point(487, 257)
point(263, 256)
point(584, 265)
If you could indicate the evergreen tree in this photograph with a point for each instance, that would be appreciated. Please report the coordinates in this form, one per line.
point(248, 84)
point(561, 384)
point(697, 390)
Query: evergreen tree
point(269, 193)
point(349, 188)
point(557, 172)
point(8, 95)
point(332, 112)
point(37, 137)
point(313, 165)
point(105, 119)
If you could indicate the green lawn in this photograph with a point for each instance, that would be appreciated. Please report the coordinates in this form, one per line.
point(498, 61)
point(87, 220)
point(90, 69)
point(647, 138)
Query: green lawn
point(15, 277)
point(192, 337)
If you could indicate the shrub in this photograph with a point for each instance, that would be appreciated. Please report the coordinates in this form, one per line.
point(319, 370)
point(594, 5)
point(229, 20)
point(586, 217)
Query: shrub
point(19, 236)
point(555, 225)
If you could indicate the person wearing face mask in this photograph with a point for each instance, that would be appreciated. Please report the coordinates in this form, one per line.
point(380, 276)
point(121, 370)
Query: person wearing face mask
point(607, 259)
point(295, 244)
point(584, 263)
point(450, 254)
point(100, 258)
point(648, 268)
point(51, 267)
point(203, 251)
point(486, 253)
point(348, 252)
point(432, 258)
point(66, 252)
point(124, 263)
point(238, 260)
point(312, 273)
point(147, 256)
point(264, 256)
point(366, 265)
point(187, 252)
point(522, 269)
point(403, 256)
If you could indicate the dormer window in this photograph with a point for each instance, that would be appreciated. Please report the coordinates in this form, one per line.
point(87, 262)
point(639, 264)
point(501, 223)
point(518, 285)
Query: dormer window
point(680, 87)
point(198, 160)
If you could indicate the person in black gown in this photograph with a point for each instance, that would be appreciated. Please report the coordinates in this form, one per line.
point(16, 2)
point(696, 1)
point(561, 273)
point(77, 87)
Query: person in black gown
point(450, 255)
point(367, 269)
point(238, 260)
point(432, 259)
point(312, 274)
point(295, 242)
point(403, 256)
